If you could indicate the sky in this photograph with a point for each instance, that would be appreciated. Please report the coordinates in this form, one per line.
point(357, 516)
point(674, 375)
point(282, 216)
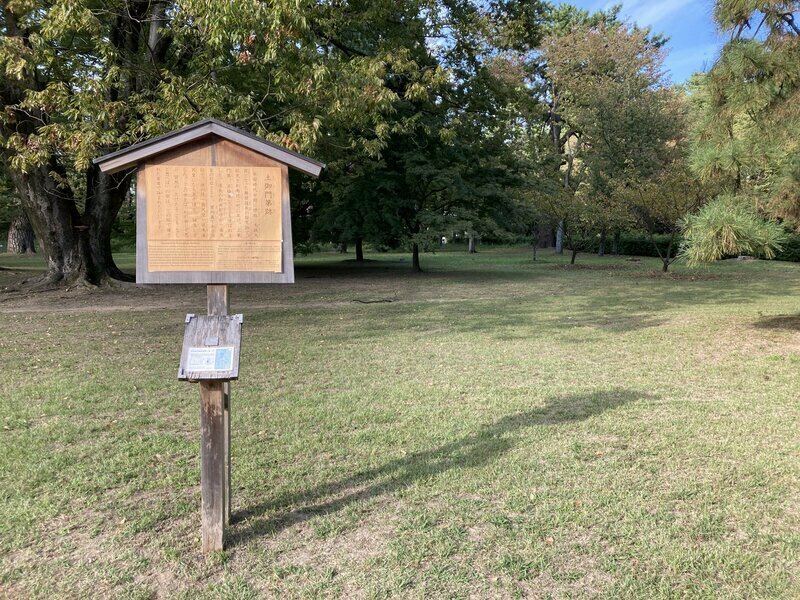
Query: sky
point(694, 42)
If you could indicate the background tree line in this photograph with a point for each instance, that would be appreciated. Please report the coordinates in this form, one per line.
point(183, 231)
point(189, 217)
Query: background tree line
point(499, 120)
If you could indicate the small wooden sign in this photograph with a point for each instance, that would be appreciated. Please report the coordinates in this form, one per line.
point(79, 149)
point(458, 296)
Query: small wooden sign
point(211, 346)
point(212, 207)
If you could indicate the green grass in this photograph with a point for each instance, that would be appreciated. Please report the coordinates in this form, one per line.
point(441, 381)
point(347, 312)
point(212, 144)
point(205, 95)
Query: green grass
point(500, 429)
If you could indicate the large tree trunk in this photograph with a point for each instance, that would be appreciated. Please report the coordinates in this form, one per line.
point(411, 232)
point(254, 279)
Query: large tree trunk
point(104, 197)
point(415, 258)
point(78, 249)
point(560, 238)
point(615, 243)
point(56, 222)
point(602, 249)
point(359, 250)
point(20, 236)
point(471, 245)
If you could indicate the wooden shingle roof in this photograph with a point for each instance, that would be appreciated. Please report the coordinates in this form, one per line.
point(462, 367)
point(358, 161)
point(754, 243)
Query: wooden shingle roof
point(132, 155)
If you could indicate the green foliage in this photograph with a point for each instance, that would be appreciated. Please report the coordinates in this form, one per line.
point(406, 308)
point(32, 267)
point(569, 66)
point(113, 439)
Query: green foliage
point(289, 71)
point(427, 112)
point(9, 204)
point(448, 162)
point(790, 251)
point(612, 96)
point(123, 234)
point(727, 226)
point(633, 243)
point(612, 122)
point(746, 115)
point(660, 203)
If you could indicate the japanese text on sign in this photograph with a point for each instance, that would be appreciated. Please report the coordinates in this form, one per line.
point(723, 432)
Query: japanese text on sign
point(213, 218)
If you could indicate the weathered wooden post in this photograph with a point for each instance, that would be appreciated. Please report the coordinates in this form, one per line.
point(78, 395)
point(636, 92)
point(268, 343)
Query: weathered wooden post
point(212, 207)
point(210, 355)
point(217, 299)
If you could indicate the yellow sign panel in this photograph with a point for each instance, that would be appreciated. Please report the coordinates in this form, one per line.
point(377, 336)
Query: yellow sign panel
point(214, 218)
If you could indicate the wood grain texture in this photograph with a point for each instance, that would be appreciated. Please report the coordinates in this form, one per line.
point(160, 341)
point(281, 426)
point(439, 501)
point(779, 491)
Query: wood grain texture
point(197, 153)
point(226, 450)
point(217, 300)
point(119, 161)
point(288, 243)
point(218, 305)
point(207, 152)
point(225, 331)
point(230, 154)
point(212, 466)
point(214, 218)
point(142, 275)
point(138, 153)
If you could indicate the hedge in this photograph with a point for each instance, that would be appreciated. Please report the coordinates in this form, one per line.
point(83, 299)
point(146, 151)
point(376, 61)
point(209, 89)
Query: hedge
point(632, 244)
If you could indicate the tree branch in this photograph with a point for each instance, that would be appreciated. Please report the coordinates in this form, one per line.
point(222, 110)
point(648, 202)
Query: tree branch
point(788, 18)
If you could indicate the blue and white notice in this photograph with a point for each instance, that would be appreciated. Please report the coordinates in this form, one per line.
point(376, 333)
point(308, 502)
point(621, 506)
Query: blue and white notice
point(210, 359)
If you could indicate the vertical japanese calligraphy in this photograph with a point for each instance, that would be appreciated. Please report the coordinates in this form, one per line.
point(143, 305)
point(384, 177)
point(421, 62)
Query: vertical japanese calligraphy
point(213, 218)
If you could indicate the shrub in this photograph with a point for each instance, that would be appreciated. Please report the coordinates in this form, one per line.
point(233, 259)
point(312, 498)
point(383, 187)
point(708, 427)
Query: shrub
point(630, 244)
point(639, 244)
point(791, 249)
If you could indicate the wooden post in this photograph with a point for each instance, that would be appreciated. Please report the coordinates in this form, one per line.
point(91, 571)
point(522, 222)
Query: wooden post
point(184, 253)
point(226, 420)
point(219, 304)
point(212, 461)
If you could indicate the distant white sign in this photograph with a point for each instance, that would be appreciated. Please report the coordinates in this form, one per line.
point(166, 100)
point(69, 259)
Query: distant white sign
point(210, 359)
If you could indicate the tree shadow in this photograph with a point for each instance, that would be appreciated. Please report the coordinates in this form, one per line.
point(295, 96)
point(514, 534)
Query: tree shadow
point(474, 450)
point(509, 321)
point(779, 322)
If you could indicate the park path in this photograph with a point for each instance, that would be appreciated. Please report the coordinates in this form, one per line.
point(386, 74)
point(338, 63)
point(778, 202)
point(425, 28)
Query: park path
point(188, 302)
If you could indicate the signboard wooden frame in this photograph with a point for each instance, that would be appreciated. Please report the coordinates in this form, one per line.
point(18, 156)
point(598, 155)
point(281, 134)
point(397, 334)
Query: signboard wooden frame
point(212, 152)
point(209, 144)
point(200, 149)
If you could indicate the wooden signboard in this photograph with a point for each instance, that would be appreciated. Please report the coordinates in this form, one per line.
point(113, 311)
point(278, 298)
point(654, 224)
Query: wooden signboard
point(211, 346)
point(212, 207)
point(205, 223)
point(213, 219)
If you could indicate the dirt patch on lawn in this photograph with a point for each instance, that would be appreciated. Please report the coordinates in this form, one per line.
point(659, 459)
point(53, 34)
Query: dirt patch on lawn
point(354, 547)
point(681, 276)
point(63, 551)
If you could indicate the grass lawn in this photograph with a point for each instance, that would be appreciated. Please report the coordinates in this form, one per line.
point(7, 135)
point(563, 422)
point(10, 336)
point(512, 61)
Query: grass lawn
point(501, 428)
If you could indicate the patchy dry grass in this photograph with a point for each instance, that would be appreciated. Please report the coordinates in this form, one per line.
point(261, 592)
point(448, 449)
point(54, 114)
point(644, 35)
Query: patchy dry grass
point(499, 429)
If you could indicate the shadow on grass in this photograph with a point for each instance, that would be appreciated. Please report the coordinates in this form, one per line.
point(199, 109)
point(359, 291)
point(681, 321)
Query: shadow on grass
point(485, 445)
point(504, 323)
point(503, 320)
point(627, 284)
point(786, 322)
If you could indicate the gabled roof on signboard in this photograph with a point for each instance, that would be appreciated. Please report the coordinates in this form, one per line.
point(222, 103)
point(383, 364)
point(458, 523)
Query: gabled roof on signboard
point(132, 155)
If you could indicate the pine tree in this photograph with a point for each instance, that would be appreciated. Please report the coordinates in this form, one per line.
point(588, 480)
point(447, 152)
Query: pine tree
point(747, 113)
